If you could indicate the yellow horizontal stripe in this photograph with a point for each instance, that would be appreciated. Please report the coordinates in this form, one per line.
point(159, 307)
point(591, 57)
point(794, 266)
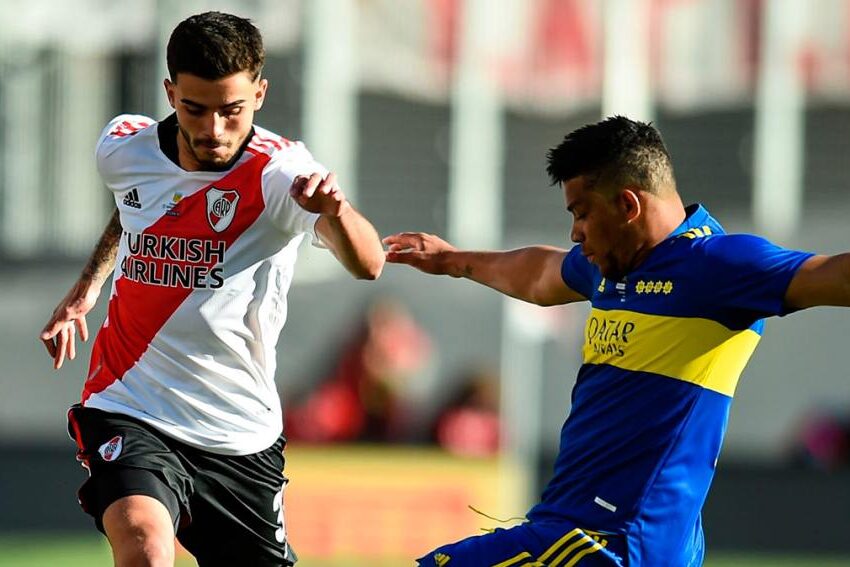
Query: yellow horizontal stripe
point(514, 560)
point(699, 351)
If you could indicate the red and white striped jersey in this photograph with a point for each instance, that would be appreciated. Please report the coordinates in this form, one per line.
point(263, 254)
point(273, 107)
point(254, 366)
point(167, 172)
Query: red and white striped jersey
point(199, 290)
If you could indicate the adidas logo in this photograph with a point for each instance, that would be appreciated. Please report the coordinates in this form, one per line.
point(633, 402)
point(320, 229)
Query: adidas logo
point(131, 199)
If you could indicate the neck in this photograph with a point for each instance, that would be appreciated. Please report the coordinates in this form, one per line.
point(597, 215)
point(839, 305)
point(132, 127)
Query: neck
point(666, 214)
point(663, 216)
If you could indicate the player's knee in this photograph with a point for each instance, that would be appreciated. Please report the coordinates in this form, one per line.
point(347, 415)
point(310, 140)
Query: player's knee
point(151, 553)
point(140, 535)
point(142, 549)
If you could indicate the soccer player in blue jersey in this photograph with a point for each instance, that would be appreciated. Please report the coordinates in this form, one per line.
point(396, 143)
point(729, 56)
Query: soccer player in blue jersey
point(677, 310)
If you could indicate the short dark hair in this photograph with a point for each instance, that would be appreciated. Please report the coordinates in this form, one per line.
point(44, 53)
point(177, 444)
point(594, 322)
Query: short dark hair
point(214, 45)
point(614, 152)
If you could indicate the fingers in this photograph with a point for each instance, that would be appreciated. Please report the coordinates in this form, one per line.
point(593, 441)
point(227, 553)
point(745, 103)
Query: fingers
point(410, 258)
point(62, 345)
point(305, 187)
point(53, 326)
point(50, 346)
point(58, 335)
point(329, 184)
point(405, 248)
point(318, 194)
point(58, 338)
point(72, 344)
point(405, 240)
point(83, 327)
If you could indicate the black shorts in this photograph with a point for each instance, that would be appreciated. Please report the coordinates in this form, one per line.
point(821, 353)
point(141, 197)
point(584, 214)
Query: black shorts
point(226, 510)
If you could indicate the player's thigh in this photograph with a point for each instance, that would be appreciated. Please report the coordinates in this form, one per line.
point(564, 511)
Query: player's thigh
point(126, 458)
point(237, 510)
point(527, 545)
point(139, 527)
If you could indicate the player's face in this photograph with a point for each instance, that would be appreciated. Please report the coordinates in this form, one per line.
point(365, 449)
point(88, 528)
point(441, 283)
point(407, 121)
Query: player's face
point(600, 226)
point(214, 117)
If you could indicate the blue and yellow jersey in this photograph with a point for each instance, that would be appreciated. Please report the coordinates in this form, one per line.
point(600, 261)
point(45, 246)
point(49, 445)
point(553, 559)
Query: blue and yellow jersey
point(663, 351)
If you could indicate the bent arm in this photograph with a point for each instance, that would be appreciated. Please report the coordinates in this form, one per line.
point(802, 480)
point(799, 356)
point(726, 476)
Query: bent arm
point(532, 274)
point(821, 280)
point(351, 238)
point(354, 242)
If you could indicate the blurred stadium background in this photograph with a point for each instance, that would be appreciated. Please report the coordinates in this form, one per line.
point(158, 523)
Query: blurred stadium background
point(437, 115)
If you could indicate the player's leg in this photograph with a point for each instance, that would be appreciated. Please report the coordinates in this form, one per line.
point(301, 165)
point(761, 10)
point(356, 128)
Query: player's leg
point(556, 544)
point(140, 531)
point(136, 488)
point(237, 510)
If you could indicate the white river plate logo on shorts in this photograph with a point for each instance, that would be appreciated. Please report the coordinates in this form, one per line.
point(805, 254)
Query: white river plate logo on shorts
point(221, 208)
point(112, 448)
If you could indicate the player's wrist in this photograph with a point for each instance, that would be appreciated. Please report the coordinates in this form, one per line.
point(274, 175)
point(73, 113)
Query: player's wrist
point(447, 264)
point(345, 209)
point(90, 282)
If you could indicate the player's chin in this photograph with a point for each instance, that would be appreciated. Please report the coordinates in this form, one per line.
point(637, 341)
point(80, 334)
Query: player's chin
point(215, 161)
point(610, 272)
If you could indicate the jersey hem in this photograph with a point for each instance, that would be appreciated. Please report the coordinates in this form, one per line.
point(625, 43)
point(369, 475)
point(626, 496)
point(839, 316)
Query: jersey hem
point(265, 439)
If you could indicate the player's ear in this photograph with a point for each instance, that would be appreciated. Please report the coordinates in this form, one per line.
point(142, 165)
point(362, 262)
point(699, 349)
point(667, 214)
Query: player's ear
point(169, 91)
point(262, 85)
point(630, 204)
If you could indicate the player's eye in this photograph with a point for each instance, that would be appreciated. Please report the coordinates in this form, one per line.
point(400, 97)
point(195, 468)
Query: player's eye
point(235, 111)
point(194, 111)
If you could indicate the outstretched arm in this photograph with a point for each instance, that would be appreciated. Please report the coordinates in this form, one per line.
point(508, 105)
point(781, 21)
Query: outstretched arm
point(821, 280)
point(532, 274)
point(70, 314)
point(351, 238)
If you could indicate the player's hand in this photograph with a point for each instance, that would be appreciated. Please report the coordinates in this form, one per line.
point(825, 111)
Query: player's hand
point(319, 195)
point(424, 252)
point(69, 316)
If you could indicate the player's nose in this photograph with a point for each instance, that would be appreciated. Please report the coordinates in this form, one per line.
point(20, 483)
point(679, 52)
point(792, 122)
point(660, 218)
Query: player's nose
point(576, 235)
point(216, 126)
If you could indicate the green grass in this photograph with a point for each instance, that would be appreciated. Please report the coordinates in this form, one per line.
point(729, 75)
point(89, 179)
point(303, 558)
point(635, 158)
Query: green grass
point(61, 551)
point(80, 551)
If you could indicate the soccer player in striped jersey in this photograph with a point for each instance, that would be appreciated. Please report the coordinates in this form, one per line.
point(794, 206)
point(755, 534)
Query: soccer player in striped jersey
point(677, 308)
point(180, 421)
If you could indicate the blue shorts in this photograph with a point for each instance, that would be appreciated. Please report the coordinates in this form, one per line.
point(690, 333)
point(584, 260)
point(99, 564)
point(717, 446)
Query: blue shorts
point(532, 544)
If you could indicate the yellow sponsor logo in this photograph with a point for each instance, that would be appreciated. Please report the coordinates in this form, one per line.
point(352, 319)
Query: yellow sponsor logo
point(692, 349)
point(441, 559)
point(608, 336)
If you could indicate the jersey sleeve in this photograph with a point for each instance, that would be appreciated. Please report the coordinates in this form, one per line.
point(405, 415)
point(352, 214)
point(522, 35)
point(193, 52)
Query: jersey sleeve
point(117, 131)
point(286, 214)
point(579, 274)
point(749, 273)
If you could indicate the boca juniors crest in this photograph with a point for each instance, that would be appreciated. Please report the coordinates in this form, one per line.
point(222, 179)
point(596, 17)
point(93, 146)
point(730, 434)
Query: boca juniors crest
point(221, 208)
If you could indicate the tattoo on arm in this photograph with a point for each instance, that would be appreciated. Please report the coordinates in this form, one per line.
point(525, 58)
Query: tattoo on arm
point(102, 260)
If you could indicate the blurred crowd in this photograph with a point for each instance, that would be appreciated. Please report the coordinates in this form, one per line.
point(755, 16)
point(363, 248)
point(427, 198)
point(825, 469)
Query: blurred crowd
point(365, 396)
point(821, 440)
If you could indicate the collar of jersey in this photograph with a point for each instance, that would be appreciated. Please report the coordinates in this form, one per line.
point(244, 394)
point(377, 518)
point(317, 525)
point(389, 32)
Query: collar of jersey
point(695, 216)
